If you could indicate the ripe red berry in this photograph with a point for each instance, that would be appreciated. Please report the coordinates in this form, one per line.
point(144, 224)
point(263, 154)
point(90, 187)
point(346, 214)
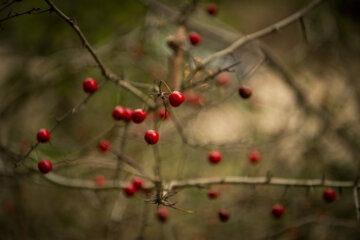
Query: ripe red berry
point(223, 79)
point(212, 9)
point(118, 113)
point(130, 190)
point(151, 137)
point(214, 157)
point(45, 166)
point(162, 214)
point(43, 135)
point(254, 156)
point(104, 145)
point(194, 38)
point(127, 114)
point(99, 180)
point(224, 215)
point(162, 113)
point(138, 116)
point(194, 98)
point(329, 195)
point(90, 85)
point(137, 183)
point(245, 92)
point(213, 194)
point(176, 98)
point(277, 211)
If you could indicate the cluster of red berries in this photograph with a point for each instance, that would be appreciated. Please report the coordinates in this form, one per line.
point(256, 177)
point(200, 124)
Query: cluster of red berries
point(43, 136)
point(133, 187)
point(127, 114)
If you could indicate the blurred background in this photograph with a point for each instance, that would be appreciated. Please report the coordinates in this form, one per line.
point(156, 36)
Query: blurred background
point(303, 117)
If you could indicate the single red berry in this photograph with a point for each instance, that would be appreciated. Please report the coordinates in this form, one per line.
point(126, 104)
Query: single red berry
point(329, 195)
point(90, 85)
point(151, 137)
point(277, 211)
point(254, 156)
point(245, 92)
point(162, 214)
point(127, 114)
point(215, 157)
point(223, 79)
point(194, 98)
point(212, 9)
point(104, 145)
point(137, 183)
point(224, 215)
point(138, 115)
point(45, 166)
point(43, 135)
point(130, 190)
point(195, 38)
point(162, 113)
point(176, 98)
point(213, 194)
point(99, 180)
point(118, 113)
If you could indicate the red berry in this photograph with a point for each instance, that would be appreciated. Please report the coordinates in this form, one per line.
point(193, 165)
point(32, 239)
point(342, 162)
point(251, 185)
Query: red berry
point(137, 183)
point(212, 9)
point(224, 215)
point(194, 98)
point(277, 211)
point(162, 214)
point(223, 79)
point(329, 195)
point(245, 92)
point(195, 38)
point(104, 145)
point(176, 98)
point(43, 135)
point(118, 113)
point(151, 137)
point(99, 180)
point(213, 194)
point(138, 115)
point(90, 85)
point(162, 115)
point(127, 114)
point(130, 190)
point(214, 157)
point(45, 166)
point(254, 156)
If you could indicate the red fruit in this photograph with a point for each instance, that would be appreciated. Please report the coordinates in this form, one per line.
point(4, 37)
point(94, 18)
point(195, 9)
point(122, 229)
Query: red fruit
point(176, 98)
point(162, 214)
point(215, 157)
point(277, 211)
point(99, 180)
point(138, 115)
point(223, 79)
point(118, 113)
point(194, 98)
point(194, 38)
point(224, 215)
point(245, 92)
point(162, 115)
point(90, 85)
point(213, 194)
point(43, 135)
point(127, 114)
point(151, 137)
point(45, 166)
point(212, 9)
point(104, 145)
point(137, 183)
point(329, 195)
point(130, 190)
point(254, 156)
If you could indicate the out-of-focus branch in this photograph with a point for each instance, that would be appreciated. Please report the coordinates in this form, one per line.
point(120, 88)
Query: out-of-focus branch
point(261, 33)
point(28, 12)
point(7, 4)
